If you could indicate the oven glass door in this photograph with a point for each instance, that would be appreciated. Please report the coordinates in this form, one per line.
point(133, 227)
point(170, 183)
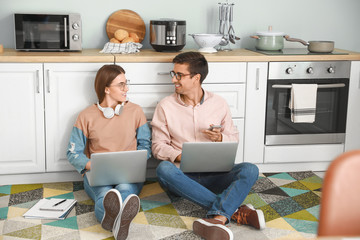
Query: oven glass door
point(41, 32)
point(330, 116)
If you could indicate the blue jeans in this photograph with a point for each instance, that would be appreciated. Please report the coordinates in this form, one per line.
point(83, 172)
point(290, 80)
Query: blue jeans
point(219, 193)
point(98, 193)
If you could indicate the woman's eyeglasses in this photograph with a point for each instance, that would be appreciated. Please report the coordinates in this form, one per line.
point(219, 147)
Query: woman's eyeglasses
point(122, 85)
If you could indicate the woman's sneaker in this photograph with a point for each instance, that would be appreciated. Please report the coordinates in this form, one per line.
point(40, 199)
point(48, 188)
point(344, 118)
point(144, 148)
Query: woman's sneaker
point(212, 229)
point(112, 205)
point(246, 214)
point(130, 209)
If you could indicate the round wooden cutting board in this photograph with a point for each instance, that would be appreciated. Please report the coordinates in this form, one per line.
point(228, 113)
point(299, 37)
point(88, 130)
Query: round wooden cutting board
point(127, 20)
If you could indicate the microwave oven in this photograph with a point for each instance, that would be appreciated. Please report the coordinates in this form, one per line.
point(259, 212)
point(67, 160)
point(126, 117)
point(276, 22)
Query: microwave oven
point(48, 32)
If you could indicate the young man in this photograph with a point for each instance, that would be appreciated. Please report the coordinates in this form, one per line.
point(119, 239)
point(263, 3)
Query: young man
point(185, 116)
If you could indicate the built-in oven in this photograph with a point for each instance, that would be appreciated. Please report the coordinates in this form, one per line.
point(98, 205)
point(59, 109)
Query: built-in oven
point(332, 79)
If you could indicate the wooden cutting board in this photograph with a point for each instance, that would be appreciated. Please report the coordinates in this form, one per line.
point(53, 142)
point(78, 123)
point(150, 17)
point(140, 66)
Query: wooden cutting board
point(127, 20)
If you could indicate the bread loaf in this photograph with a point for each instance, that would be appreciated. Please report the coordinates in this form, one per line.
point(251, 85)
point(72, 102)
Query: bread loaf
point(114, 40)
point(121, 34)
point(127, 39)
point(134, 36)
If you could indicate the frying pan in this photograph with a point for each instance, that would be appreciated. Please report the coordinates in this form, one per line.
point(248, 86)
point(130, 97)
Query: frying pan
point(314, 46)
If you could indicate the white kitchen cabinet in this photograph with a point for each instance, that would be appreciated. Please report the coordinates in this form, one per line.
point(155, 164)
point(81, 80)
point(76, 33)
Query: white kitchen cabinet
point(255, 112)
point(147, 96)
point(41, 103)
point(69, 88)
point(225, 79)
point(352, 139)
point(22, 138)
point(159, 73)
point(239, 124)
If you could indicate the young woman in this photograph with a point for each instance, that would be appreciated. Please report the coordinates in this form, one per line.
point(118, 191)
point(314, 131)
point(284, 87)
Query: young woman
point(111, 125)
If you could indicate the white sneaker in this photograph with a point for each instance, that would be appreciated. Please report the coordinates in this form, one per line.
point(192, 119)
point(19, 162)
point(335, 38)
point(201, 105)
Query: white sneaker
point(112, 206)
point(212, 229)
point(130, 209)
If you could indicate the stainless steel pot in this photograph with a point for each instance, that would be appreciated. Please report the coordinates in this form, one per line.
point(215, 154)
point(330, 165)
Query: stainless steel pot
point(269, 41)
point(315, 46)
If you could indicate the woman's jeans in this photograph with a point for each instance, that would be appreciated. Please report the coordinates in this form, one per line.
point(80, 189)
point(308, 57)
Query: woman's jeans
point(219, 193)
point(98, 193)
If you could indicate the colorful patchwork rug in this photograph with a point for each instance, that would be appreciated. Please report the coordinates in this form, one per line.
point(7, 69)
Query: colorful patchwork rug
point(290, 202)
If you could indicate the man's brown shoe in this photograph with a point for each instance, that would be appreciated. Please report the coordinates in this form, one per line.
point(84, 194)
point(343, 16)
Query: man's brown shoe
point(246, 214)
point(212, 229)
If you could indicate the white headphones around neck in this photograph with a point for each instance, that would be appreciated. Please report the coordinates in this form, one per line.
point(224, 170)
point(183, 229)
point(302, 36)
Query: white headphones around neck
point(109, 112)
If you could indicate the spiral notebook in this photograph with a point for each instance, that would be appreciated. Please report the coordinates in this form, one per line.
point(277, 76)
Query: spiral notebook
point(55, 204)
point(46, 209)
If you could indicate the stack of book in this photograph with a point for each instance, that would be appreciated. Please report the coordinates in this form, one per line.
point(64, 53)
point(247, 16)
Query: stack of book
point(53, 208)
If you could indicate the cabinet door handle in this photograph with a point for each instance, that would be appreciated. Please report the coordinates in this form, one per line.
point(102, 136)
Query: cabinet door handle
point(65, 31)
point(38, 81)
point(163, 73)
point(257, 86)
point(48, 80)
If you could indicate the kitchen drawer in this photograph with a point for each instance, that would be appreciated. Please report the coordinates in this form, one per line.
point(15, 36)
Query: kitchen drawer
point(147, 96)
point(226, 72)
point(302, 153)
point(159, 73)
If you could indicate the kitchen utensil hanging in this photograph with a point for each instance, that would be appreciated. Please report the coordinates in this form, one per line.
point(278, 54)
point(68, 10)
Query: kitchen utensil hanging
point(226, 15)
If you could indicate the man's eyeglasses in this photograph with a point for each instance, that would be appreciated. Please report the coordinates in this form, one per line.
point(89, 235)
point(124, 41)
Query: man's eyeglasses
point(122, 85)
point(178, 76)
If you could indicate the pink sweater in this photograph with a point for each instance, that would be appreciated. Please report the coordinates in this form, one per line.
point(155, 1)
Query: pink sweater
point(174, 123)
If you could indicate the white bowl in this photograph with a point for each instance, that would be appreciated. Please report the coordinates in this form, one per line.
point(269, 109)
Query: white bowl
point(207, 42)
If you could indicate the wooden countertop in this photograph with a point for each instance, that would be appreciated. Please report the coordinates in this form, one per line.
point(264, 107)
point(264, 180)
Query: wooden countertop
point(150, 55)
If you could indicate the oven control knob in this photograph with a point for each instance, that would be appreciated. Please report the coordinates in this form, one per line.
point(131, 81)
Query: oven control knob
point(75, 26)
point(289, 70)
point(331, 70)
point(310, 70)
point(75, 37)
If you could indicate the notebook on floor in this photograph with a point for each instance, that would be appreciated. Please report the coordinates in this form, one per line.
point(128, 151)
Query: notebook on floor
point(112, 168)
point(208, 156)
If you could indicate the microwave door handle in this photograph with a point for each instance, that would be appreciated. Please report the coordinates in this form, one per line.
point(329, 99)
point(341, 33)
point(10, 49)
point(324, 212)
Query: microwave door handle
point(335, 85)
point(65, 31)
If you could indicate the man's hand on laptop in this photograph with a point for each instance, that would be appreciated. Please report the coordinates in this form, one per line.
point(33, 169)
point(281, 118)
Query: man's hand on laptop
point(178, 158)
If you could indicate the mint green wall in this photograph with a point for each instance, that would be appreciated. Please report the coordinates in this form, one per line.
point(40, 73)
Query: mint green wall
point(336, 20)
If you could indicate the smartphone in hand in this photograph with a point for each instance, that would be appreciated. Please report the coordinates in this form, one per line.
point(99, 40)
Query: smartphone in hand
point(214, 126)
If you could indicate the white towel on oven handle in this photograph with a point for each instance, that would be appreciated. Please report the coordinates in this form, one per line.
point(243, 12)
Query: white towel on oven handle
point(303, 103)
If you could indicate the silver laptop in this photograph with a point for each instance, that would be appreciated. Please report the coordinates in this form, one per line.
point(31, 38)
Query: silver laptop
point(112, 168)
point(208, 156)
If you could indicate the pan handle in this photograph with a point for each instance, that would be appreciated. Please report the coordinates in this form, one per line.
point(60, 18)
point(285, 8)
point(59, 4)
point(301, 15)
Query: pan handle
point(256, 37)
point(288, 38)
